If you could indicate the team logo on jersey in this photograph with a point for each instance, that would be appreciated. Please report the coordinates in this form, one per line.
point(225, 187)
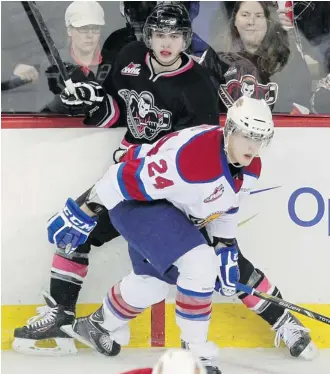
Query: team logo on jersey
point(201, 222)
point(131, 69)
point(216, 194)
point(250, 87)
point(144, 119)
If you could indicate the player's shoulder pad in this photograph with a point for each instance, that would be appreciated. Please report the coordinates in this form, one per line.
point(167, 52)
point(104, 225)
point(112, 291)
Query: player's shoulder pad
point(254, 169)
point(198, 160)
point(118, 39)
point(198, 69)
point(133, 50)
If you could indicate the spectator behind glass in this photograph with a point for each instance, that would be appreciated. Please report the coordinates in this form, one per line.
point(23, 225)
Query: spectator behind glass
point(255, 28)
point(295, 80)
point(83, 58)
point(257, 47)
point(312, 19)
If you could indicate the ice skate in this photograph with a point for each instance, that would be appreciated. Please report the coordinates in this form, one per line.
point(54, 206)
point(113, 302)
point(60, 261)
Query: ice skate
point(207, 353)
point(46, 326)
point(295, 336)
point(89, 331)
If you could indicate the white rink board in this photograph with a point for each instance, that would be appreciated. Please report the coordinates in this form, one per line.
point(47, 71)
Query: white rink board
point(42, 167)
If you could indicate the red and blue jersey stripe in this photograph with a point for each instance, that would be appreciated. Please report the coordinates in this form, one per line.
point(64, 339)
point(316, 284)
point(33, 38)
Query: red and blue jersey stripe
point(129, 181)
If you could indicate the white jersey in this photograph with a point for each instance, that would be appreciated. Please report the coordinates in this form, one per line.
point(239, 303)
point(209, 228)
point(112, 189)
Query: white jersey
point(188, 168)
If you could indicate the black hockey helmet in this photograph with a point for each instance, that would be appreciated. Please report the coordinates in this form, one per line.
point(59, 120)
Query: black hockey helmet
point(136, 11)
point(168, 18)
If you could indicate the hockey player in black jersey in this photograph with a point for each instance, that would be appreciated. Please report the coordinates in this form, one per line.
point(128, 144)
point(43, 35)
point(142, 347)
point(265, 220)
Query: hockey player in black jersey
point(158, 89)
point(160, 69)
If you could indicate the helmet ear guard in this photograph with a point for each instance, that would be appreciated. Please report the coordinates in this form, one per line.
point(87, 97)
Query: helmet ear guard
point(168, 18)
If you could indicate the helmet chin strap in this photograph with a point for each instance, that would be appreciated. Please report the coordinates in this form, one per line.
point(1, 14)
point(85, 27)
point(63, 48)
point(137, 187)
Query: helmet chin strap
point(158, 62)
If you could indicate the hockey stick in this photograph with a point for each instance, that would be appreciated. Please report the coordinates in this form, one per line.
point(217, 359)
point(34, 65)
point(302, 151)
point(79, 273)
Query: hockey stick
point(282, 303)
point(13, 83)
point(47, 42)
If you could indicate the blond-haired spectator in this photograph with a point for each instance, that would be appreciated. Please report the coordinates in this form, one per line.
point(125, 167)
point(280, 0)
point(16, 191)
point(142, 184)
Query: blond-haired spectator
point(83, 58)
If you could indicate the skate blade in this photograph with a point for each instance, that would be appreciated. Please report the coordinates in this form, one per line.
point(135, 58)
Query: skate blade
point(310, 352)
point(64, 347)
point(69, 331)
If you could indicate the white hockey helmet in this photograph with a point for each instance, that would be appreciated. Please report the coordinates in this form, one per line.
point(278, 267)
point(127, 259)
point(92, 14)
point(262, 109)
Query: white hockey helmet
point(178, 361)
point(253, 118)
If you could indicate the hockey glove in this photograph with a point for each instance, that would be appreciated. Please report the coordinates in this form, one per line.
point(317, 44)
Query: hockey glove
point(99, 107)
point(88, 93)
point(228, 271)
point(70, 228)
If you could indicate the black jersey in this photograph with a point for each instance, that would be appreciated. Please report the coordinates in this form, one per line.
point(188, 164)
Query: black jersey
point(237, 74)
point(151, 104)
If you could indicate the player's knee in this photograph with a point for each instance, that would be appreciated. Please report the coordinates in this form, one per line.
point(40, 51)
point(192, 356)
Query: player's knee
point(198, 269)
point(141, 291)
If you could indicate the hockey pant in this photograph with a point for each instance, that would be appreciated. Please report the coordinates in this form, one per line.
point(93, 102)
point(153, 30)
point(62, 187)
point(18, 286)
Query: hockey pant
point(68, 272)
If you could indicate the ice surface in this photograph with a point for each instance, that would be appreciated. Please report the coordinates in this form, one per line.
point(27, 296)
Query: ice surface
point(233, 361)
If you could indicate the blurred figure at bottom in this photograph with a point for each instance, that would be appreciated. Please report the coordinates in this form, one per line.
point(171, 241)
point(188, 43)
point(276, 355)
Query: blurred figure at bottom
point(174, 361)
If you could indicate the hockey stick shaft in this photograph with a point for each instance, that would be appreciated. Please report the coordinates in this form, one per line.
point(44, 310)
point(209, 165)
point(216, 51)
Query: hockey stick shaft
point(13, 83)
point(282, 303)
point(46, 41)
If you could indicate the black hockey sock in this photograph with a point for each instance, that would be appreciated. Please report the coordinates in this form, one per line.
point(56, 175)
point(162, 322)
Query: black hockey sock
point(65, 293)
point(272, 313)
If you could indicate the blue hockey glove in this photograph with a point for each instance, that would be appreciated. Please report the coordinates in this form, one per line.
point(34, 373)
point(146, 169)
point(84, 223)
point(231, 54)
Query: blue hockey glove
point(228, 272)
point(70, 228)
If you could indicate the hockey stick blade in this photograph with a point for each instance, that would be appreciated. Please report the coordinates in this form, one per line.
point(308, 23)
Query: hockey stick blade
point(46, 41)
point(282, 303)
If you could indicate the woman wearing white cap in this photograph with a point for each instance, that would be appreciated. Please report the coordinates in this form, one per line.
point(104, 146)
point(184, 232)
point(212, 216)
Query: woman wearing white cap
point(83, 59)
point(84, 20)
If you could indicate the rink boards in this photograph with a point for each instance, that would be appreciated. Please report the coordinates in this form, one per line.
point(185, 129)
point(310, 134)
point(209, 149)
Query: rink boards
point(285, 231)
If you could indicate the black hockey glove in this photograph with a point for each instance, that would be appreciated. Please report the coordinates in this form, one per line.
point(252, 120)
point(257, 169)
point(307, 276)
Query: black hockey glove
point(89, 93)
point(98, 106)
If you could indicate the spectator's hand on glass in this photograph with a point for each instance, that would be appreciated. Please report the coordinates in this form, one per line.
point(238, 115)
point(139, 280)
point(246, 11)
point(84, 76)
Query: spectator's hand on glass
point(26, 72)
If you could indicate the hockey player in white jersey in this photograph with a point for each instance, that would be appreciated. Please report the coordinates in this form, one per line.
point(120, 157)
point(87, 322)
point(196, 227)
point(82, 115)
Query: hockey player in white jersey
point(193, 170)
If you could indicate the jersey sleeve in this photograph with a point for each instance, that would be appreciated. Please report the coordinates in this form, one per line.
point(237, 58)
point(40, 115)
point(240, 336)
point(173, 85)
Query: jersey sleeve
point(144, 179)
point(136, 151)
